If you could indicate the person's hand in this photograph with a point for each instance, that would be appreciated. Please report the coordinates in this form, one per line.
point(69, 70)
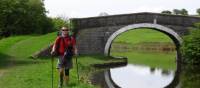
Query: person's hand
point(53, 53)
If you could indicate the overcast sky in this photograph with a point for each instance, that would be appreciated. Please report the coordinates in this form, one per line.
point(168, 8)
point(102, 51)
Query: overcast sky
point(89, 8)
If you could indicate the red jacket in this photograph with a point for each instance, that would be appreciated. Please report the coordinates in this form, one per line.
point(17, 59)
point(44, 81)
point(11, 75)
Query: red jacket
point(63, 45)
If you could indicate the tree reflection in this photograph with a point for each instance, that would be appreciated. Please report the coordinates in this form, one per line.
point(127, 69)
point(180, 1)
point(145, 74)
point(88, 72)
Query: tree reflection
point(152, 70)
point(165, 72)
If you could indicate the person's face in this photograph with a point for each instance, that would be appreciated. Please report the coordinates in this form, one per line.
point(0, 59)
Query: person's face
point(65, 31)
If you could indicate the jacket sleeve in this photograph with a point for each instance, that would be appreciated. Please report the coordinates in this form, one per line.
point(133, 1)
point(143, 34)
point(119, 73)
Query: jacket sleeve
point(56, 42)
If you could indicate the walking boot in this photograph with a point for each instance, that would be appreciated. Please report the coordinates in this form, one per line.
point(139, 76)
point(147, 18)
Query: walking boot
point(60, 82)
point(66, 80)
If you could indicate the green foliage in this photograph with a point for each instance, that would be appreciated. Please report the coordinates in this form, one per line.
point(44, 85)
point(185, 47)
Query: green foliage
point(23, 17)
point(197, 25)
point(198, 11)
point(59, 22)
point(180, 12)
point(191, 46)
point(184, 12)
point(176, 12)
point(190, 76)
point(166, 12)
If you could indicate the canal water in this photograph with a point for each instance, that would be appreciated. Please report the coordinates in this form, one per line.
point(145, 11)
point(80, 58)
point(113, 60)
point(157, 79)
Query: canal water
point(149, 64)
point(140, 76)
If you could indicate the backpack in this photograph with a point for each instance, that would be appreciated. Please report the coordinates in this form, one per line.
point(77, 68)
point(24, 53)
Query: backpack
point(68, 50)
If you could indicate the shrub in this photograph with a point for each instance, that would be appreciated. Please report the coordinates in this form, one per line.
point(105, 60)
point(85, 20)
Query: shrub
point(19, 17)
point(59, 22)
point(191, 46)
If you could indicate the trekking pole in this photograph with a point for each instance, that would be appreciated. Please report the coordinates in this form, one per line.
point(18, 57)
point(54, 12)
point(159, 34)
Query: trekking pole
point(52, 71)
point(70, 26)
point(77, 68)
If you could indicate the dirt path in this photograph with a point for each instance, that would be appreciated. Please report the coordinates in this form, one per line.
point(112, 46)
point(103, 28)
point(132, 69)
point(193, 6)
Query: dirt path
point(2, 72)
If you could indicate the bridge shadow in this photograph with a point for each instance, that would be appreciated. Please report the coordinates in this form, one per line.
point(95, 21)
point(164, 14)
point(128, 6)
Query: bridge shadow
point(4, 60)
point(9, 61)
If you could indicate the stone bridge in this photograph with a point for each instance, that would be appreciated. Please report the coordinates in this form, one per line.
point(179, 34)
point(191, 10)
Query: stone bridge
point(95, 34)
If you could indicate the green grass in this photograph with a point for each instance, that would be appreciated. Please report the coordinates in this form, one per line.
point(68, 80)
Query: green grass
point(6, 43)
point(154, 60)
point(142, 38)
point(30, 45)
point(142, 35)
point(38, 75)
point(19, 71)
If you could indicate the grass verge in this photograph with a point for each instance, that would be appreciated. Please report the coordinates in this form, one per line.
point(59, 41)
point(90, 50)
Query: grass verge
point(154, 60)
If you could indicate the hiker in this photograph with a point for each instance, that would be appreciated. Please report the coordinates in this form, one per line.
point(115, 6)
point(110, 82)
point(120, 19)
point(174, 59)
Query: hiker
point(65, 47)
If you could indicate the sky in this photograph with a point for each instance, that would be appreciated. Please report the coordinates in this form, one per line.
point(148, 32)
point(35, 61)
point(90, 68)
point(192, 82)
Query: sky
point(91, 8)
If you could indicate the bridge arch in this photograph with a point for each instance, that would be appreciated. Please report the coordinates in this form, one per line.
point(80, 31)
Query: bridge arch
point(168, 31)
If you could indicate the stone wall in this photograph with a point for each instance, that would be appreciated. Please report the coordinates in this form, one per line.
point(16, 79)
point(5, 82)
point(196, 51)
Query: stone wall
point(126, 19)
point(93, 40)
point(93, 33)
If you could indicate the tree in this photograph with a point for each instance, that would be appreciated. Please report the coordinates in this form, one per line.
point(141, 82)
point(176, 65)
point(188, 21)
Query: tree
point(183, 12)
point(166, 12)
point(191, 46)
point(58, 22)
point(180, 12)
point(198, 11)
point(176, 12)
point(103, 14)
point(23, 17)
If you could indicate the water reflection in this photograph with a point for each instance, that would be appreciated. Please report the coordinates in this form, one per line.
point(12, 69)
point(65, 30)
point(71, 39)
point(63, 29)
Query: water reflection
point(139, 76)
point(184, 77)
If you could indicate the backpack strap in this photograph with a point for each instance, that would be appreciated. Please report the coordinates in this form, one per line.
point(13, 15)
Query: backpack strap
point(69, 48)
point(63, 41)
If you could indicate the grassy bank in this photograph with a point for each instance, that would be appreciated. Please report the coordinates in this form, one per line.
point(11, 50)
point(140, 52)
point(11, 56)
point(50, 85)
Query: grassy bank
point(19, 71)
point(142, 35)
point(143, 46)
point(153, 60)
point(146, 47)
point(37, 74)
